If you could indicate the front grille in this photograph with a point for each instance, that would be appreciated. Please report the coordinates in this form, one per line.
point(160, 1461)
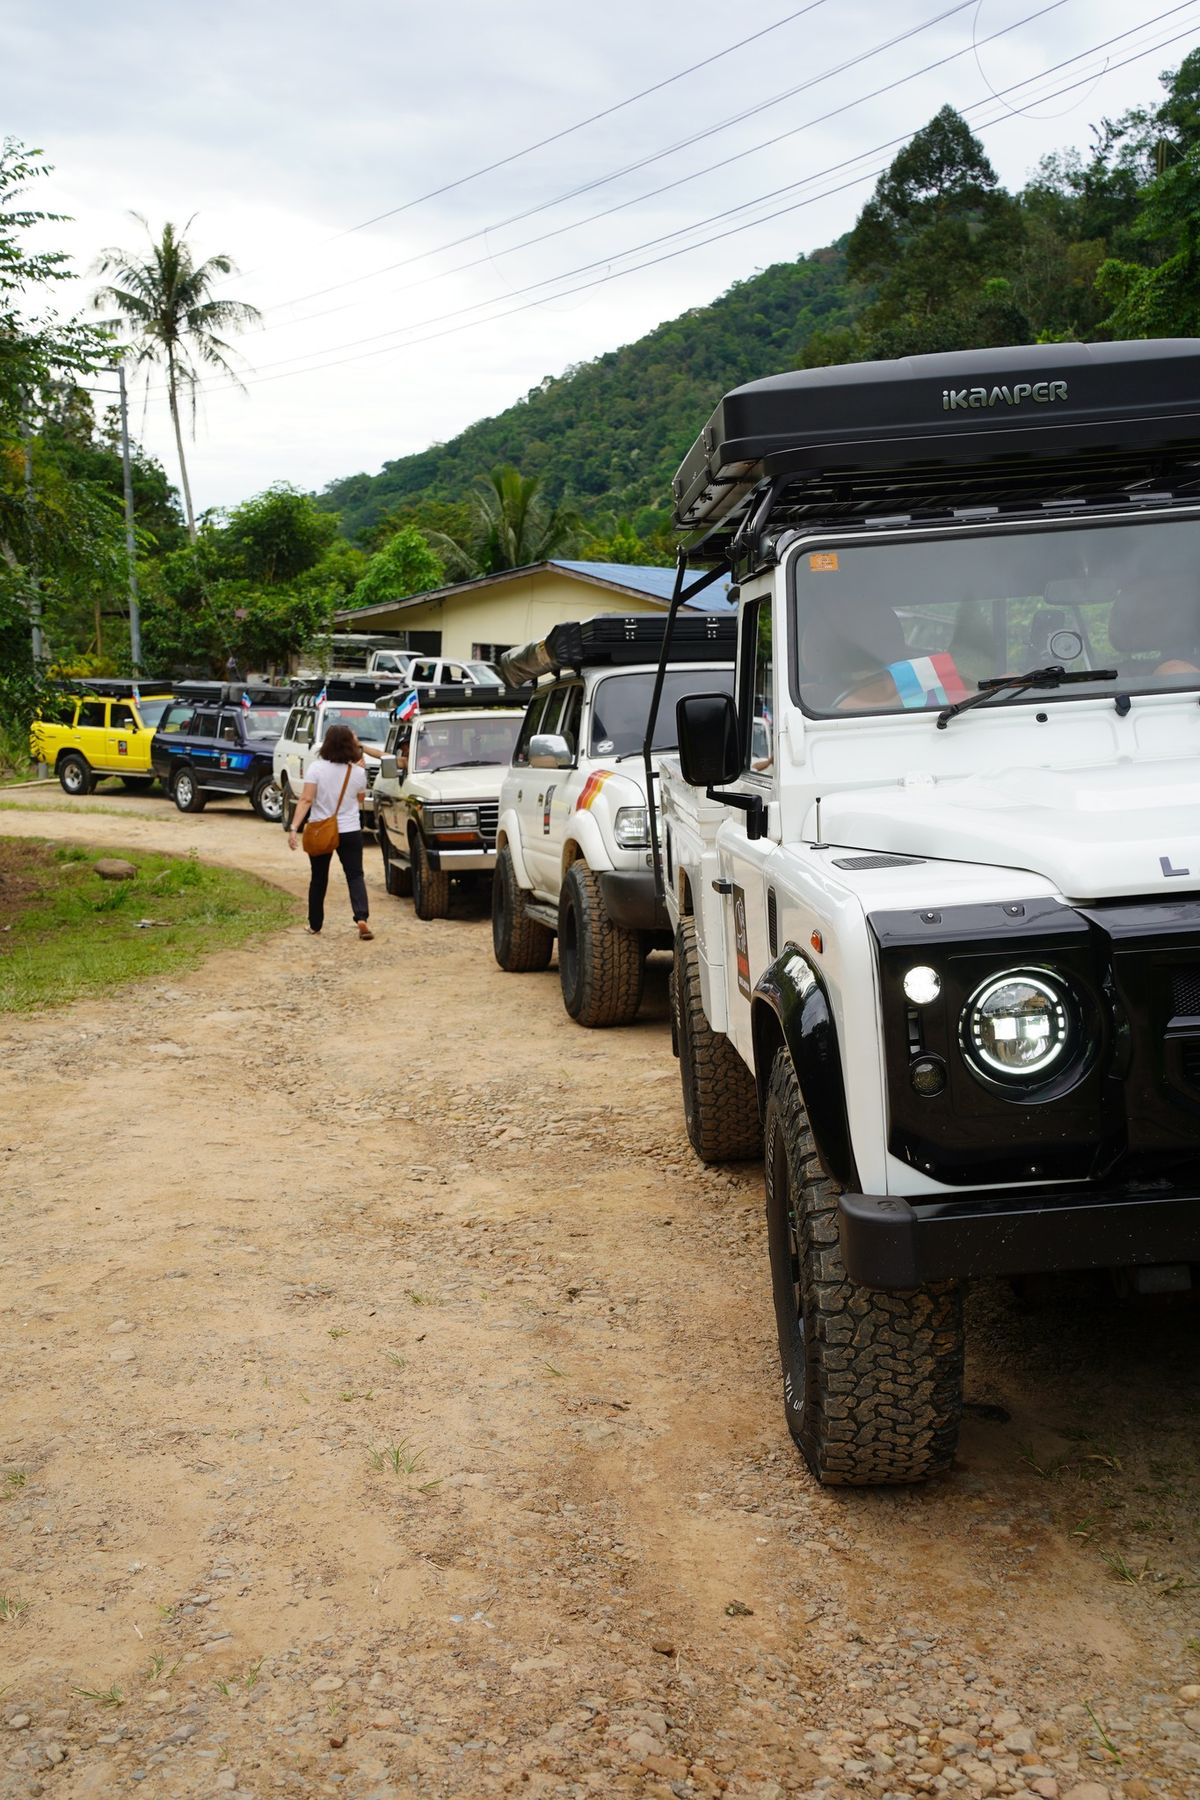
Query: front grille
point(372, 772)
point(1185, 993)
point(489, 820)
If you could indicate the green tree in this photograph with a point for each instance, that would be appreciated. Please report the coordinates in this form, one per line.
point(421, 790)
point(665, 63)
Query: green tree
point(513, 525)
point(165, 297)
point(936, 227)
point(59, 533)
point(405, 565)
point(260, 584)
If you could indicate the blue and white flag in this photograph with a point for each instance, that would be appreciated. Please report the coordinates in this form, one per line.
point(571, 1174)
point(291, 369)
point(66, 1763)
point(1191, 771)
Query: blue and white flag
point(246, 700)
point(321, 697)
point(409, 707)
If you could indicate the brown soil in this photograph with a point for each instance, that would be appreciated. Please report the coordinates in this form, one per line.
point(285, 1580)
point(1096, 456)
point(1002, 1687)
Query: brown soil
point(20, 878)
point(391, 1405)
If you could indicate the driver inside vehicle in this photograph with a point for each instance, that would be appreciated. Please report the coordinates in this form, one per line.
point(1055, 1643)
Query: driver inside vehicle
point(1161, 625)
point(854, 658)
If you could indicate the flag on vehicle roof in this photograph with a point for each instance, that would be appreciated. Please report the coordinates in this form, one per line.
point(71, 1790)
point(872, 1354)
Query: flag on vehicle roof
point(409, 707)
point(246, 700)
point(320, 700)
point(137, 696)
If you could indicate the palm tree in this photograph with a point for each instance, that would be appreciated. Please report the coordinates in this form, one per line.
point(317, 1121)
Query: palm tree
point(165, 296)
point(513, 526)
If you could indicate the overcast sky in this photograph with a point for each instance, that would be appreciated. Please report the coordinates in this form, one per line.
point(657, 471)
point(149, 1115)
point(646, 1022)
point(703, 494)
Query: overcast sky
point(287, 128)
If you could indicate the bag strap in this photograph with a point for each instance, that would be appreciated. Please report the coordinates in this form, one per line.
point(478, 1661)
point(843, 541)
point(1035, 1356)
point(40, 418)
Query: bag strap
point(345, 784)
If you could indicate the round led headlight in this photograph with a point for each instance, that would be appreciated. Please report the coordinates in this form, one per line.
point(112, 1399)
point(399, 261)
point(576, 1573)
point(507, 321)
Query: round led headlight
point(1018, 1026)
point(922, 985)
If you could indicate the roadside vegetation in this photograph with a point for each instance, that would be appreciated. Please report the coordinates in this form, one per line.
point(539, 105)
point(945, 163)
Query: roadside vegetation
point(65, 933)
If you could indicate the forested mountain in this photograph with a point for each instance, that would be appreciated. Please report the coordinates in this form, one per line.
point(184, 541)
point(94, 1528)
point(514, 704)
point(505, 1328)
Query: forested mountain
point(611, 433)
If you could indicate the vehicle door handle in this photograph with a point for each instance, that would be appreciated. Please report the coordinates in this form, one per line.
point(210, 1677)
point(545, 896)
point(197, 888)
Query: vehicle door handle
point(721, 886)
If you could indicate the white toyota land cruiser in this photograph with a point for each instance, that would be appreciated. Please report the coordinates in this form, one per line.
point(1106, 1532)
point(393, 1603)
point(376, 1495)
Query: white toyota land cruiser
point(573, 845)
point(939, 928)
point(437, 794)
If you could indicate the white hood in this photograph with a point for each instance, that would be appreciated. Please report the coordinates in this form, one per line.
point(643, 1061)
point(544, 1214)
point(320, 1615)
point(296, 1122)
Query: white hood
point(1131, 827)
point(455, 785)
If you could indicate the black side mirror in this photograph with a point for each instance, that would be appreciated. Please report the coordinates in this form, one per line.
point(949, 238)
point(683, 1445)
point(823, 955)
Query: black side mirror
point(706, 727)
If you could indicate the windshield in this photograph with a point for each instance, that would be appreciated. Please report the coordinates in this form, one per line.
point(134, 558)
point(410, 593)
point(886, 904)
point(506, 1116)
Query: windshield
point(621, 707)
point(264, 721)
point(465, 743)
point(369, 727)
point(917, 625)
point(151, 711)
point(484, 675)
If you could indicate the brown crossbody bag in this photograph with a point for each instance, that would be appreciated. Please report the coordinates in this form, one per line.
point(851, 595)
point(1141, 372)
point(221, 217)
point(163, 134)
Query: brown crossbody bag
point(321, 837)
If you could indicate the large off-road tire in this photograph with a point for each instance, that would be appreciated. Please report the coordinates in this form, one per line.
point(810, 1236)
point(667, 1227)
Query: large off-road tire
point(872, 1381)
point(75, 774)
point(600, 965)
point(187, 793)
point(430, 887)
point(520, 944)
point(267, 800)
point(396, 879)
point(720, 1100)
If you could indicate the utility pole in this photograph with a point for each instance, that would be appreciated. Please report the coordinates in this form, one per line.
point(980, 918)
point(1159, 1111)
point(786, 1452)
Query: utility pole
point(135, 616)
point(35, 592)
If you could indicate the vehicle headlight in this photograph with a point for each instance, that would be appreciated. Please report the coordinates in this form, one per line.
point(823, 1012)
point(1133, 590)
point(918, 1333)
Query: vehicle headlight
point(467, 819)
point(631, 827)
point(441, 818)
point(1018, 1026)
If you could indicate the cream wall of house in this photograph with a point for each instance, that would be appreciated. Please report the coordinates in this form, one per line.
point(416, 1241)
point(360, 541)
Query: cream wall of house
point(509, 612)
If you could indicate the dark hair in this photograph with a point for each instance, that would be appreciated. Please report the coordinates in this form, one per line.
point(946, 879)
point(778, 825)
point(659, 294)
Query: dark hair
point(340, 745)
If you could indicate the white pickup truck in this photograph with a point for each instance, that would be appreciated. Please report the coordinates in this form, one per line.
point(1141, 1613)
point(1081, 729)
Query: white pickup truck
point(573, 843)
point(938, 929)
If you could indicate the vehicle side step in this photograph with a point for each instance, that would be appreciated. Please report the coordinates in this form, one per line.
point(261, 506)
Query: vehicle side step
point(544, 915)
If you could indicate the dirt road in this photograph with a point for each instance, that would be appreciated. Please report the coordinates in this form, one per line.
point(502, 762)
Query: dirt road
point(390, 1406)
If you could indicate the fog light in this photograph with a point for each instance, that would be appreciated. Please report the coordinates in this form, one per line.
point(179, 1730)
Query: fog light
point(922, 985)
point(928, 1075)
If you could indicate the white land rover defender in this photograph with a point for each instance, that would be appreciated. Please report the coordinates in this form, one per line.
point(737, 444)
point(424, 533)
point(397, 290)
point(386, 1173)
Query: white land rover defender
point(437, 794)
point(573, 845)
point(938, 928)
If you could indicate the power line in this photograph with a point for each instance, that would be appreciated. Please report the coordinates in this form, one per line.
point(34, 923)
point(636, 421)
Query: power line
point(697, 137)
point(606, 262)
point(668, 187)
point(569, 130)
point(747, 225)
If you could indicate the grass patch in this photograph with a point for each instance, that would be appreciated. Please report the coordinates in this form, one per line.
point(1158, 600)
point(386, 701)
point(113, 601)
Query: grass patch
point(65, 933)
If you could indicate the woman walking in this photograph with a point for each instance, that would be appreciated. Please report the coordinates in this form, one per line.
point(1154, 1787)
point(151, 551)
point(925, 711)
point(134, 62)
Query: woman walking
point(334, 785)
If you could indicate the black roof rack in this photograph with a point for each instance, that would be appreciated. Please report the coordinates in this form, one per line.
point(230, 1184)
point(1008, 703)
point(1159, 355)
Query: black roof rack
point(112, 687)
point(446, 696)
point(613, 639)
point(345, 685)
point(229, 693)
point(1015, 427)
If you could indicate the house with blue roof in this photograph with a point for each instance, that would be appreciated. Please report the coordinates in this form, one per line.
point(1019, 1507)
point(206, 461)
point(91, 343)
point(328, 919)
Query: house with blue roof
point(479, 619)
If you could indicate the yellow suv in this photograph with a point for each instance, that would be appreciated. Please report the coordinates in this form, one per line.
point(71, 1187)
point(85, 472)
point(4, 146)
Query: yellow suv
point(105, 729)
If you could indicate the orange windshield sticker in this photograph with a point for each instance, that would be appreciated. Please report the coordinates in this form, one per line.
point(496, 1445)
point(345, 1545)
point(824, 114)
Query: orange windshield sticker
point(823, 559)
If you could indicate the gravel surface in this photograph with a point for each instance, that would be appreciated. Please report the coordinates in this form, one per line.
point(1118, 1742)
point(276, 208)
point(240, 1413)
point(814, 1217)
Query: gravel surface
point(391, 1406)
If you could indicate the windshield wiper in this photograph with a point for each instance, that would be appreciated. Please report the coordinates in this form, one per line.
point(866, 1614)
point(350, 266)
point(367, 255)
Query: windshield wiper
point(1053, 676)
point(475, 762)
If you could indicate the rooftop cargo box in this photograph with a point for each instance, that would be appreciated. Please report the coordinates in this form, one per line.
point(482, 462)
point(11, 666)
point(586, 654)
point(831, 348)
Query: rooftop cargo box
point(453, 696)
point(1014, 425)
point(230, 693)
point(613, 639)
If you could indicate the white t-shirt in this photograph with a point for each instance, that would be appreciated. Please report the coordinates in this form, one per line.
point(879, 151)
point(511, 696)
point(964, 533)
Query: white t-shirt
point(327, 778)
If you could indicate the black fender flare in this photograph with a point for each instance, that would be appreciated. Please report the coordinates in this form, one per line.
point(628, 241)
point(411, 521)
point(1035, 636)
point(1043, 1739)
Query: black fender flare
point(791, 1002)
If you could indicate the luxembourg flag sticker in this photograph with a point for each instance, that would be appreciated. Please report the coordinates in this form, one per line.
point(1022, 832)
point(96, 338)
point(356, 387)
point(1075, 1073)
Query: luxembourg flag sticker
point(928, 681)
point(409, 707)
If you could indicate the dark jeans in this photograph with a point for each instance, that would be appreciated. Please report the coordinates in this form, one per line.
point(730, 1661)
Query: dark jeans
point(350, 855)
